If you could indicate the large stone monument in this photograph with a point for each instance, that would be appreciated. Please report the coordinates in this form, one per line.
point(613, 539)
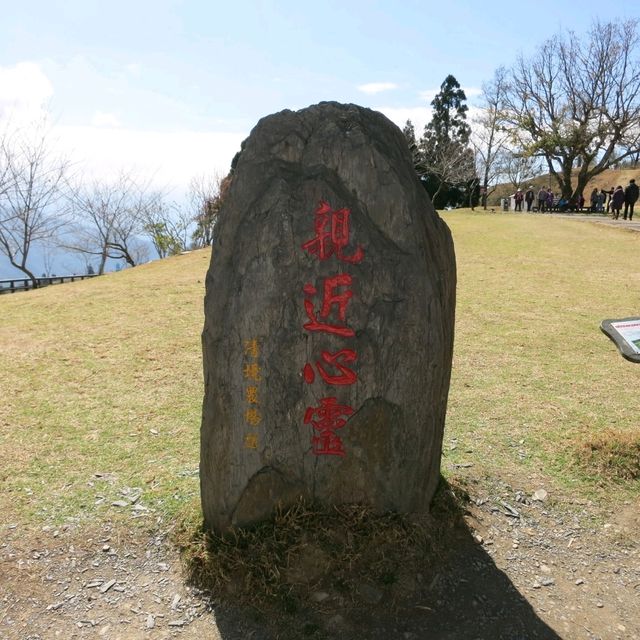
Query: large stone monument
point(329, 319)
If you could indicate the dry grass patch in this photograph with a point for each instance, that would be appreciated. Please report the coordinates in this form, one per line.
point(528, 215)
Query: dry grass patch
point(609, 455)
point(308, 549)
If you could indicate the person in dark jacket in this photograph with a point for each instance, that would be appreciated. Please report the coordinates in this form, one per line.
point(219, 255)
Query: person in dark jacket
point(519, 197)
point(542, 200)
point(630, 197)
point(617, 200)
point(549, 200)
point(529, 197)
point(609, 194)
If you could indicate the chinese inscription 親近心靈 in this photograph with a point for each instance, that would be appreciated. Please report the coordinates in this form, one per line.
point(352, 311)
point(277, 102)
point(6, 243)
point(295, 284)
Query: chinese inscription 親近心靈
point(332, 236)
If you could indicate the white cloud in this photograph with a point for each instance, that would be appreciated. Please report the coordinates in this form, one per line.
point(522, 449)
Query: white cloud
point(104, 119)
point(377, 87)
point(24, 92)
point(167, 159)
point(133, 68)
point(104, 148)
point(472, 92)
point(419, 116)
point(428, 95)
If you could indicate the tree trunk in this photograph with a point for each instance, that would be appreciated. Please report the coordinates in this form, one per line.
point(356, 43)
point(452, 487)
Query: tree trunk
point(437, 193)
point(103, 261)
point(474, 184)
point(583, 180)
point(485, 190)
point(27, 272)
point(567, 177)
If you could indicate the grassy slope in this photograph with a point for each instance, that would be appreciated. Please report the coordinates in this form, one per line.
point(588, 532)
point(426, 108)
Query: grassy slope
point(105, 375)
point(90, 371)
point(530, 362)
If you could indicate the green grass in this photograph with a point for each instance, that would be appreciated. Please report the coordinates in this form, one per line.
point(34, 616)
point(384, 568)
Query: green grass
point(533, 375)
point(104, 376)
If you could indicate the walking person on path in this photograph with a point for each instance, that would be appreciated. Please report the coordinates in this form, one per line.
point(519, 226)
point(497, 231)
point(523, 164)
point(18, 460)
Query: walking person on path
point(519, 197)
point(529, 197)
point(549, 200)
point(542, 200)
point(617, 200)
point(630, 197)
point(609, 195)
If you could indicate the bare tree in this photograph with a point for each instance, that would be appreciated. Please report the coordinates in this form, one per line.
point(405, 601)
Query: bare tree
point(207, 194)
point(168, 226)
point(451, 163)
point(488, 138)
point(5, 180)
point(576, 102)
point(32, 203)
point(518, 168)
point(109, 218)
point(48, 254)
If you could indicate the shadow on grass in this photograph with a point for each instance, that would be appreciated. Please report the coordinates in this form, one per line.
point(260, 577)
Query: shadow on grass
point(453, 592)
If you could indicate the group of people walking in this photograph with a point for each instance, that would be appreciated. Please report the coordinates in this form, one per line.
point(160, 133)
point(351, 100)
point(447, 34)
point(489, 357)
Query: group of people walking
point(616, 199)
point(545, 199)
point(611, 200)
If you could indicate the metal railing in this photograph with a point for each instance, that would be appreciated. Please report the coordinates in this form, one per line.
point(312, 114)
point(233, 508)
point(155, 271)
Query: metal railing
point(25, 284)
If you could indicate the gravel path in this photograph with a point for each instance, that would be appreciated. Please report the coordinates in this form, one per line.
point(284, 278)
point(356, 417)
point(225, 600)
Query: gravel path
point(528, 565)
point(597, 218)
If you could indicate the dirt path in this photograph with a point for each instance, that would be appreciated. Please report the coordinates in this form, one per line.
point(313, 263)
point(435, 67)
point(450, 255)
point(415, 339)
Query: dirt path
point(524, 568)
point(598, 218)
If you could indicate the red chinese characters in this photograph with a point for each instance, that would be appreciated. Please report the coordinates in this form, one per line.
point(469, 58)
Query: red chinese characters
point(329, 315)
point(338, 361)
point(332, 235)
point(326, 420)
point(332, 295)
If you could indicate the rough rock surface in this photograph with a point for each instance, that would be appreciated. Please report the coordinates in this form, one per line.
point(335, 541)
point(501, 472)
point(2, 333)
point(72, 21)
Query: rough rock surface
point(283, 235)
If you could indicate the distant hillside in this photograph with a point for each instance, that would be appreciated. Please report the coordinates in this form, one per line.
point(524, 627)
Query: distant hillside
point(606, 180)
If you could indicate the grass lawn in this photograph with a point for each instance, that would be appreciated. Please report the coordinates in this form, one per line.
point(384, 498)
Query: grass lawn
point(102, 377)
point(537, 388)
point(101, 381)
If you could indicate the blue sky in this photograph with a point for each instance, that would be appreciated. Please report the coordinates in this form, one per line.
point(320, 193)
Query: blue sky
point(169, 88)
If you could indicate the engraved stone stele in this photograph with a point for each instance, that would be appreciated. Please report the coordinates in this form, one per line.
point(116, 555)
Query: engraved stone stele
point(329, 318)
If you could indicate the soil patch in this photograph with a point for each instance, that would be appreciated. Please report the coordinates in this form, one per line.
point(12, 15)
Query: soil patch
point(518, 568)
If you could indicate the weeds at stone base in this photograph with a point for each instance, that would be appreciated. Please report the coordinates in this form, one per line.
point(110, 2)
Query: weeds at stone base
point(308, 550)
point(612, 454)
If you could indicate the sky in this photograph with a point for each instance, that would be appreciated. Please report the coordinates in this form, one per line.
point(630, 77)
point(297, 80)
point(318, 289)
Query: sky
point(168, 89)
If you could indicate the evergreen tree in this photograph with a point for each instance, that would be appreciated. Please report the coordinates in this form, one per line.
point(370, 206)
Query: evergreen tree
point(446, 163)
point(409, 132)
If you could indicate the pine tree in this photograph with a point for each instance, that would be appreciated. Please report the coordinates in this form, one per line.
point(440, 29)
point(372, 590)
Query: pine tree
point(446, 163)
point(409, 132)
